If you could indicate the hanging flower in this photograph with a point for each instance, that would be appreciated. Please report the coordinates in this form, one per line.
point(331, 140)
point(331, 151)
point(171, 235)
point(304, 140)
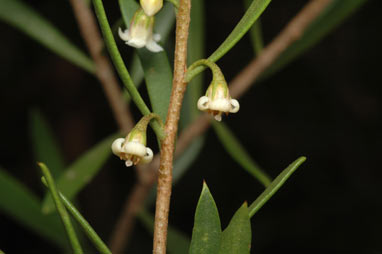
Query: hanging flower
point(140, 33)
point(217, 99)
point(151, 7)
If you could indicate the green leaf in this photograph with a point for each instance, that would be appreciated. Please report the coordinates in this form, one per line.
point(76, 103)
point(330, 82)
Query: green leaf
point(44, 144)
point(327, 21)
point(158, 77)
point(81, 172)
point(251, 15)
point(89, 231)
point(255, 32)
point(177, 241)
point(236, 238)
point(274, 186)
point(17, 202)
point(239, 154)
point(206, 235)
point(23, 17)
point(156, 67)
point(47, 179)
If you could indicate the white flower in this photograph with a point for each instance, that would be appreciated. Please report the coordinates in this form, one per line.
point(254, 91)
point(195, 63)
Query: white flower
point(151, 7)
point(217, 101)
point(140, 32)
point(133, 151)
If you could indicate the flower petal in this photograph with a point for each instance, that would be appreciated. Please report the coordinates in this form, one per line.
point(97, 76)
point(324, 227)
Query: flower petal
point(124, 35)
point(157, 37)
point(153, 46)
point(148, 156)
point(116, 147)
point(134, 148)
point(235, 106)
point(203, 103)
point(136, 43)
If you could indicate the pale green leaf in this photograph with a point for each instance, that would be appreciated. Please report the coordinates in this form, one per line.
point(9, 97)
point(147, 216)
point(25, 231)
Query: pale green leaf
point(275, 186)
point(236, 238)
point(19, 203)
point(206, 234)
point(44, 144)
point(239, 154)
point(81, 172)
point(23, 17)
point(327, 21)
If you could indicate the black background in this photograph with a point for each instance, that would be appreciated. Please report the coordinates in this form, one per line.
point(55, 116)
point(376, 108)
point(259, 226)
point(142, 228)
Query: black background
point(326, 106)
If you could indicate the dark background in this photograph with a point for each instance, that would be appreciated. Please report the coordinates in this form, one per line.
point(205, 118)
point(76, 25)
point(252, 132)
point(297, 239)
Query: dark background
point(326, 106)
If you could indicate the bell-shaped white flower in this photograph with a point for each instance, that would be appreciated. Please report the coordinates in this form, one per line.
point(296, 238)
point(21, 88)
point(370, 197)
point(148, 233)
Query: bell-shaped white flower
point(140, 33)
point(151, 7)
point(133, 148)
point(218, 101)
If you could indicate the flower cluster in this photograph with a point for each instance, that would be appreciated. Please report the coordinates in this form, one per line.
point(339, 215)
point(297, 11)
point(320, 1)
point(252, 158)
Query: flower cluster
point(140, 33)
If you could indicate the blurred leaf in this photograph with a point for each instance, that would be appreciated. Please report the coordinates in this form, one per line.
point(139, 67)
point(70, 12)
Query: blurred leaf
point(254, 11)
point(239, 154)
point(255, 32)
point(81, 172)
point(184, 161)
point(206, 235)
point(156, 67)
point(274, 186)
point(326, 22)
point(177, 242)
point(21, 16)
point(236, 238)
point(23, 206)
point(44, 144)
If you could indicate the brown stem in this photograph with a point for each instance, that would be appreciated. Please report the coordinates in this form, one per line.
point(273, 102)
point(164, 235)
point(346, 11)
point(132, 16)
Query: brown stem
point(238, 86)
point(171, 127)
point(104, 70)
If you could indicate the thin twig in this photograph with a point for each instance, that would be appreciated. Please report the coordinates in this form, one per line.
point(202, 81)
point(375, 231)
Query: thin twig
point(238, 86)
point(171, 127)
point(104, 70)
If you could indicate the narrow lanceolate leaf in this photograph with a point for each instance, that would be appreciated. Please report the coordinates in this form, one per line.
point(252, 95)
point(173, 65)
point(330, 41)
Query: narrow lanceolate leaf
point(206, 235)
point(255, 32)
point(275, 186)
point(23, 17)
point(177, 242)
point(89, 231)
point(236, 238)
point(251, 15)
point(156, 67)
point(49, 182)
point(327, 21)
point(80, 173)
point(239, 154)
point(44, 143)
point(17, 202)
